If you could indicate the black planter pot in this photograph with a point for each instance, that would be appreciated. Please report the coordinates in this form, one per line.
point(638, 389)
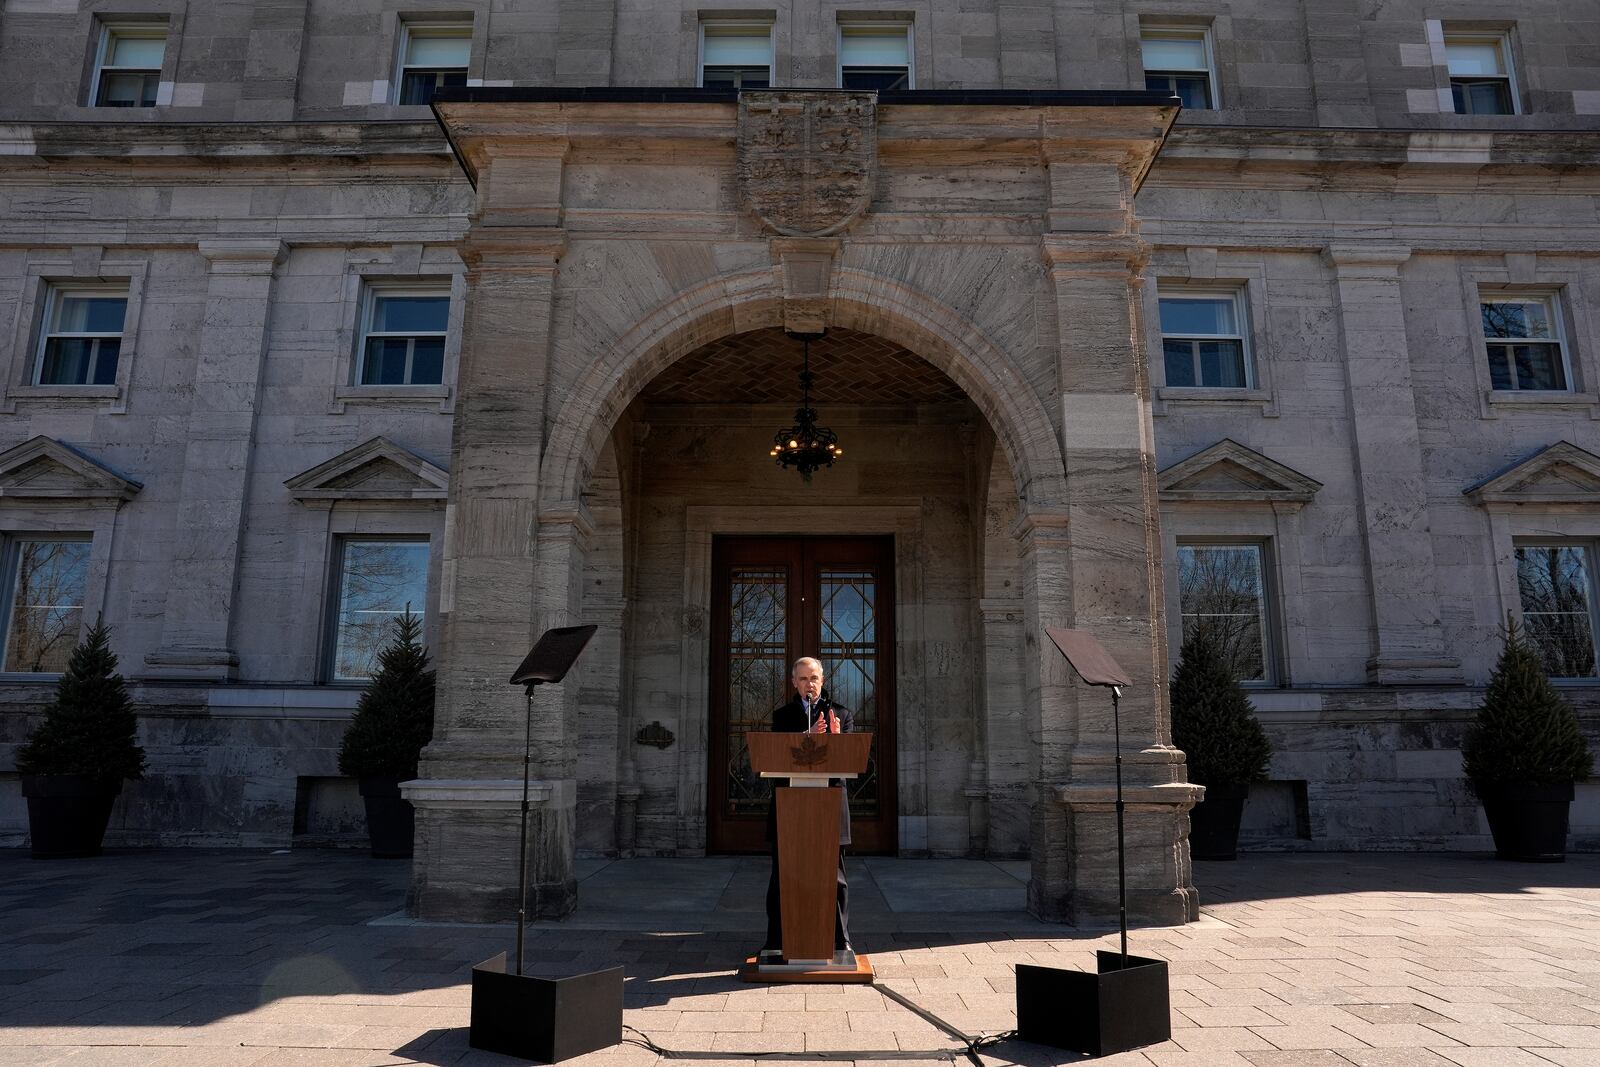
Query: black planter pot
point(1529, 822)
point(391, 821)
point(1214, 823)
point(68, 813)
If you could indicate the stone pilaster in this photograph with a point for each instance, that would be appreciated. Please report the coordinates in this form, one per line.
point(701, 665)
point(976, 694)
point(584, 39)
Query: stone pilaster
point(196, 628)
point(1339, 79)
point(1408, 645)
point(1113, 570)
point(490, 599)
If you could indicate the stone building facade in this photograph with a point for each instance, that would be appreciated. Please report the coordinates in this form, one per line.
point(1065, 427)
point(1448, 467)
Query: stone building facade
point(284, 351)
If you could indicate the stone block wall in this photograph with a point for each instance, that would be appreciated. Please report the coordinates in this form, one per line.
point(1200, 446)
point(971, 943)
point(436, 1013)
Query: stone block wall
point(1331, 62)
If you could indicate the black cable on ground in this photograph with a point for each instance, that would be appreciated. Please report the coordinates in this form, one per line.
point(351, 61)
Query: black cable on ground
point(970, 1044)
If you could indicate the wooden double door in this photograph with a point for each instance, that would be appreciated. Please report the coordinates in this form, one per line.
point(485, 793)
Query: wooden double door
point(774, 600)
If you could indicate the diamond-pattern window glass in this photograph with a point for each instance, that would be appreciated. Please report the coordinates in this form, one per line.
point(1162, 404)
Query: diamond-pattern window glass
point(849, 655)
point(758, 675)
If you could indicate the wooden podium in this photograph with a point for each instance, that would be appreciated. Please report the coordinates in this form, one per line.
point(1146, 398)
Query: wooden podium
point(808, 851)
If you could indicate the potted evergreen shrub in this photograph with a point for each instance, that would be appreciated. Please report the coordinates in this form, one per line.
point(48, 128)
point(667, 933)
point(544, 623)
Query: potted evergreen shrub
point(384, 741)
point(1226, 748)
point(75, 760)
point(1522, 755)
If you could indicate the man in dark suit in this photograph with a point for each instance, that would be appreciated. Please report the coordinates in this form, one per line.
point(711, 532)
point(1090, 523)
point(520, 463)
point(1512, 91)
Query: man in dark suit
point(810, 711)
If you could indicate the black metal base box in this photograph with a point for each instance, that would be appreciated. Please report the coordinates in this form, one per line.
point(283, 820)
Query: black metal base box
point(1118, 1009)
point(544, 1019)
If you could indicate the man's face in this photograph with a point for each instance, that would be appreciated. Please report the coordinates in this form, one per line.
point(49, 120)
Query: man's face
point(808, 680)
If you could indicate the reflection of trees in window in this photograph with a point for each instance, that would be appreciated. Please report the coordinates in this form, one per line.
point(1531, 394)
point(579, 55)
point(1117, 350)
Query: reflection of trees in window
point(46, 605)
point(1524, 349)
point(1220, 587)
point(379, 582)
point(1553, 582)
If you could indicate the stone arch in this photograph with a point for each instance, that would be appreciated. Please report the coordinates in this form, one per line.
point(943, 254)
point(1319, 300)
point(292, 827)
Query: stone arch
point(857, 300)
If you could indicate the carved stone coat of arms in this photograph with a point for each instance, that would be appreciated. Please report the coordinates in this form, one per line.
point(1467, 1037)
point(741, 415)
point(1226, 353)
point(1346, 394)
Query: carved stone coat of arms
point(807, 158)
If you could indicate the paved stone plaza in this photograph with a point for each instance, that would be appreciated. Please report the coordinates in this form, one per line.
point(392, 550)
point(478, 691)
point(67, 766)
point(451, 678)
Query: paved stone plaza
point(223, 959)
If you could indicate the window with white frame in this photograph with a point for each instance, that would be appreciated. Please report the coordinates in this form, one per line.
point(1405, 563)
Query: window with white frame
point(735, 55)
point(1178, 61)
point(82, 337)
point(1223, 588)
point(376, 581)
point(1204, 339)
point(402, 336)
point(46, 578)
point(128, 65)
point(1480, 73)
point(432, 55)
point(874, 56)
point(1522, 334)
point(1556, 584)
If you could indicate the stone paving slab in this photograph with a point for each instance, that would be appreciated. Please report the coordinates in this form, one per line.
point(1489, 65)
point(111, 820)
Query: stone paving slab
point(257, 959)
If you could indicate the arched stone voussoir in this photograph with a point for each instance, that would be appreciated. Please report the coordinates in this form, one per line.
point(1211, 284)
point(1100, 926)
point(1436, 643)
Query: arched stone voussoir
point(856, 300)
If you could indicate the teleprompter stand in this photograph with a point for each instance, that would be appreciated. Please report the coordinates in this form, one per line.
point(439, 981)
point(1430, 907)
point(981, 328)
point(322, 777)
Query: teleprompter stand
point(808, 852)
point(1126, 1004)
point(543, 1019)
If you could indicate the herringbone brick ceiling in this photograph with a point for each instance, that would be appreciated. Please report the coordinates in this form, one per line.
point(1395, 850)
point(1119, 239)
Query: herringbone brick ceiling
point(763, 367)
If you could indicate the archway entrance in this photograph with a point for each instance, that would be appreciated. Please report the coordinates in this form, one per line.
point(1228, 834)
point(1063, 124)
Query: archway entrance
point(775, 599)
point(733, 567)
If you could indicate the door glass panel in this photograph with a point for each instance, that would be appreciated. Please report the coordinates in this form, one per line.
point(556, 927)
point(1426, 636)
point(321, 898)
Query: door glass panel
point(849, 652)
point(758, 675)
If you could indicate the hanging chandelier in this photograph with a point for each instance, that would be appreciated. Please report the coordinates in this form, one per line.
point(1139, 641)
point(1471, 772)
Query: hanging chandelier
point(805, 445)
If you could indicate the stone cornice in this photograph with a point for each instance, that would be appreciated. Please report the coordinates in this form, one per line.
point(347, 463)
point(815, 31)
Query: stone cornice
point(972, 128)
point(1293, 157)
point(235, 143)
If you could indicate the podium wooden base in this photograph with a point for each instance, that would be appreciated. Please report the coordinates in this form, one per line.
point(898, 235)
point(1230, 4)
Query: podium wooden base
point(860, 975)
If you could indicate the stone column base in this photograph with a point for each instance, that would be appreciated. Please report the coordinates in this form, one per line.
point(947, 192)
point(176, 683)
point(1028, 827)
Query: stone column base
point(465, 867)
point(1075, 874)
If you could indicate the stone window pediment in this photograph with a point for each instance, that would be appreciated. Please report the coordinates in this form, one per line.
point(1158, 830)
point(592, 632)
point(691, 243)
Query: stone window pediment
point(43, 469)
point(1228, 472)
point(1561, 473)
point(379, 469)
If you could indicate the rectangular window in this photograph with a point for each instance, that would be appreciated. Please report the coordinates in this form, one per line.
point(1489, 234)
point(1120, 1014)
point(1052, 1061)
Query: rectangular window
point(1523, 336)
point(128, 67)
point(874, 57)
point(735, 55)
point(1178, 61)
point(46, 582)
point(402, 339)
point(1557, 590)
point(82, 336)
point(433, 55)
point(377, 582)
point(1203, 340)
point(1223, 587)
point(1480, 74)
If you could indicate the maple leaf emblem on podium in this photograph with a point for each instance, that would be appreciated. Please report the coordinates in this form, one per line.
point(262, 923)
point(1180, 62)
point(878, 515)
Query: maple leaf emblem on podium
point(808, 753)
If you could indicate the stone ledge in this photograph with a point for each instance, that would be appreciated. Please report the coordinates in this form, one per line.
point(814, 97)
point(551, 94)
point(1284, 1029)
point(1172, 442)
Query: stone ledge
point(491, 794)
